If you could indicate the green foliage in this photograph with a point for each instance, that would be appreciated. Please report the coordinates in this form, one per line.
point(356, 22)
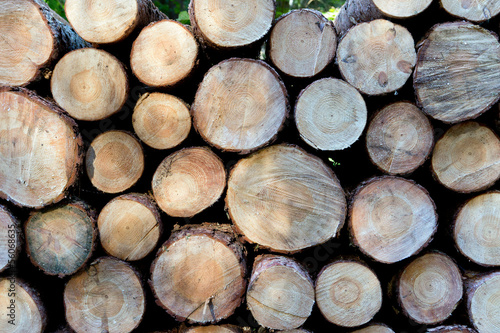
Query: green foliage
point(334, 163)
point(57, 6)
point(183, 17)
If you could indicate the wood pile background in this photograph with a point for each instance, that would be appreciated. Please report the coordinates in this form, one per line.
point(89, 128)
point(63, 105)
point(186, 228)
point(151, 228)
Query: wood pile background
point(254, 173)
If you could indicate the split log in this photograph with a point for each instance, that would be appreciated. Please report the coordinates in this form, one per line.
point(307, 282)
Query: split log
point(348, 293)
point(10, 239)
point(377, 328)
point(199, 273)
point(40, 149)
point(430, 288)
point(106, 297)
point(477, 10)
point(105, 22)
point(22, 309)
point(399, 138)
point(477, 227)
point(285, 199)
point(89, 84)
point(161, 121)
point(457, 76)
point(61, 239)
point(467, 158)
point(164, 53)
point(302, 43)
point(451, 329)
point(34, 37)
point(240, 105)
point(280, 292)
point(114, 161)
point(129, 226)
point(483, 297)
point(377, 57)
point(330, 114)
point(391, 218)
point(189, 181)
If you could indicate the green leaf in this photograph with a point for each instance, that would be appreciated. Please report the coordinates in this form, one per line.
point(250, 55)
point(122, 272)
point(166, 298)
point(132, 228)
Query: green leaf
point(184, 17)
point(334, 163)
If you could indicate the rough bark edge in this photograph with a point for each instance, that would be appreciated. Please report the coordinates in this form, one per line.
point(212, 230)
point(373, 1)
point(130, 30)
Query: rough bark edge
point(348, 16)
point(451, 328)
point(264, 262)
point(35, 296)
point(70, 123)
point(19, 236)
point(222, 233)
point(472, 282)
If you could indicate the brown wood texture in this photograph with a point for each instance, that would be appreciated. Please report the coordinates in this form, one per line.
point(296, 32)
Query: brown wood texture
point(10, 239)
point(376, 328)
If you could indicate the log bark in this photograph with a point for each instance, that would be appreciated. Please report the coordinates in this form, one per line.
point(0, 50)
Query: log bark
point(391, 218)
point(376, 328)
point(161, 121)
point(430, 288)
point(129, 226)
point(280, 292)
point(40, 149)
point(10, 239)
point(476, 11)
point(105, 22)
point(451, 329)
point(330, 114)
point(199, 274)
point(377, 57)
point(302, 43)
point(483, 295)
point(107, 296)
point(467, 158)
point(240, 105)
point(273, 198)
point(476, 229)
point(189, 181)
point(61, 239)
point(114, 161)
point(399, 138)
point(457, 76)
point(348, 293)
point(89, 84)
point(34, 37)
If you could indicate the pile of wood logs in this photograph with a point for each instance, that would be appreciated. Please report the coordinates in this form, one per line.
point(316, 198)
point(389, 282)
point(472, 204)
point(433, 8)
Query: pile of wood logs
point(247, 173)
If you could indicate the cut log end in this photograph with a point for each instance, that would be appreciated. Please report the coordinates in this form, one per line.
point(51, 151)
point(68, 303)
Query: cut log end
point(451, 329)
point(401, 8)
point(483, 302)
point(211, 329)
point(376, 328)
point(10, 239)
point(472, 10)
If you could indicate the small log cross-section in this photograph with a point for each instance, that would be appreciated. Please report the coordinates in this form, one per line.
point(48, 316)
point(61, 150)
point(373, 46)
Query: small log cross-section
point(376, 328)
point(348, 293)
point(280, 292)
point(199, 273)
point(472, 10)
point(129, 226)
point(451, 329)
point(10, 239)
point(430, 288)
point(285, 199)
point(89, 84)
point(61, 239)
point(189, 181)
point(467, 158)
point(302, 43)
point(40, 149)
point(399, 138)
point(240, 105)
point(106, 297)
point(391, 218)
point(330, 114)
point(457, 76)
point(483, 302)
point(401, 8)
point(377, 57)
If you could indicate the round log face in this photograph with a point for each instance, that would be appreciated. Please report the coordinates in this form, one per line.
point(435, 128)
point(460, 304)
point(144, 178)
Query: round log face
point(273, 199)
point(10, 245)
point(213, 329)
point(472, 10)
point(483, 304)
point(377, 328)
point(402, 8)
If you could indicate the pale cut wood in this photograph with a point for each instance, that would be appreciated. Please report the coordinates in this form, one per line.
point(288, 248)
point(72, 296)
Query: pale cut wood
point(430, 288)
point(348, 293)
point(402, 8)
point(377, 57)
point(399, 138)
point(354, 12)
point(472, 10)
point(391, 218)
point(467, 158)
point(60, 239)
point(302, 43)
point(161, 121)
point(280, 292)
point(89, 84)
point(104, 22)
point(10, 239)
point(273, 198)
point(114, 161)
point(477, 229)
point(212, 329)
point(451, 329)
point(199, 273)
point(330, 114)
point(21, 308)
point(106, 297)
point(457, 75)
point(164, 53)
point(240, 105)
point(377, 328)
point(189, 181)
point(297, 330)
point(33, 38)
point(129, 226)
point(483, 297)
point(40, 149)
